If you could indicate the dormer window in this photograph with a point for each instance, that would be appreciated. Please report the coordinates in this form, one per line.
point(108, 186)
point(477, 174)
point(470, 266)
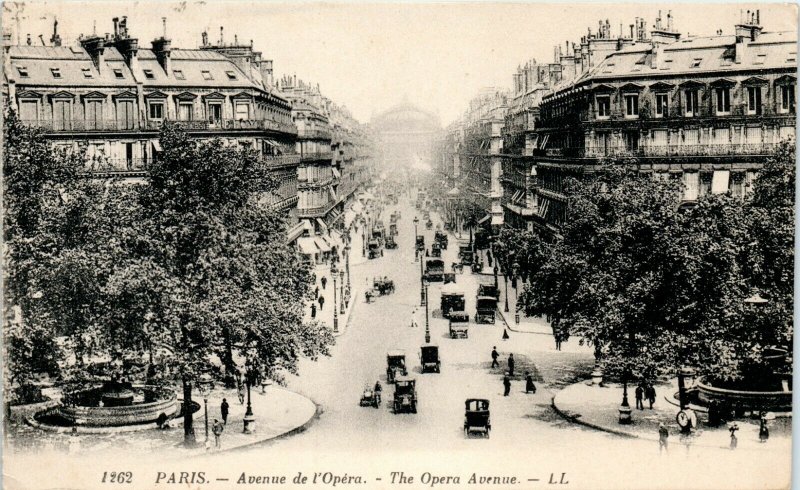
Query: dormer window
point(23, 71)
point(696, 62)
point(603, 106)
point(231, 75)
point(179, 74)
point(56, 72)
point(148, 74)
point(118, 73)
point(87, 72)
point(207, 75)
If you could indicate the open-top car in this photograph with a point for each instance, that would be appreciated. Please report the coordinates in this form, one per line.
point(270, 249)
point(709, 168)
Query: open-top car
point(395, 365)
point(405, 395)
point(485, 307)
point(434, 269)
point(393, 229)
point(420, 243)
point(370, 398)
point(383, 285)
point(459, 325)
point(449, 277)
point(436, 250)
point(391, 243)
point(476, 417)
point(429, 358)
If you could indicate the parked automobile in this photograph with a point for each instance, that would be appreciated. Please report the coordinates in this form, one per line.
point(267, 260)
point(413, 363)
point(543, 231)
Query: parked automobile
point(485, 307)
point(452, 300)
point(391, 243)
point(436, 250)
point(434, 269)
point(489, 290)
point(441, 239)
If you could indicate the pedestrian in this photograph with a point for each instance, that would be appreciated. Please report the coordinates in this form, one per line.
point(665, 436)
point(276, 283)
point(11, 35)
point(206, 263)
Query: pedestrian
point(506, 385)
point(529, 386)
point(734, 441)
point(505, 334)
point(217, 429)
point(663, 434)
point(639, 397)
point(495, 355)
point(313, 310)
point(240, 392)
point(316, 291)
point(763, 430)
point(650, 393)
point(323, 281)
point(489, 257)
point(511, 365)
point(224, 411)
point(321, 302)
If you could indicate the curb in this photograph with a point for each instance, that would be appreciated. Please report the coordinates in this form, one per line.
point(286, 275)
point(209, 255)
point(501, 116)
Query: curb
point(349, 312)
point(297, 430)
point(577, 420)
point(508, 325)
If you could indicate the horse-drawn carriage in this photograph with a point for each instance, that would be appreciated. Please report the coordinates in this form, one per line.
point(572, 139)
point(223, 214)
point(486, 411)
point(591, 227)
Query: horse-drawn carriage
point(383, 286)
point(476, 417)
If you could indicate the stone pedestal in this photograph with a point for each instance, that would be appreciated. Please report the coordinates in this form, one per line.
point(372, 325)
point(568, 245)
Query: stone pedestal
point(624, 415)
point(249, 424)
point(597, 377)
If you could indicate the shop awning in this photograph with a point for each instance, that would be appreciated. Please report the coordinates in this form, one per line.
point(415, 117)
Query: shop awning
point(336, 239)
point(322, 225)
point(322, 244)
point(271, 143)
point(306, 245)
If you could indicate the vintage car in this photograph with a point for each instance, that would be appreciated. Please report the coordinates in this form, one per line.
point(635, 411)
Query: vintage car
point(449, 277)
point(370, 397)
point(405, 395)
point(465, 255)
point(393, 229)
point(420, 243)
point(485, 307)
point(441, 239)
point(459, 325)
point(476, 417)
point(395, 365)
point(391, 243)
point(375, 249)
point(429, 225)
point(378, 234)
point(383, 286)
point(434, 269)
point(429, 358)
point(489, 290)
point(452, 300)
point(436, 250)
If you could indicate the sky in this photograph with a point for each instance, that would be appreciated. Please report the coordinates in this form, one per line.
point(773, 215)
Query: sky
point(372, 56)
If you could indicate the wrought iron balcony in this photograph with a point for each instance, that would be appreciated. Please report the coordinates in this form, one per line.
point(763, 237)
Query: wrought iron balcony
point(665, 150)
point(313, 156)
point(84, 125)
point(314, 133)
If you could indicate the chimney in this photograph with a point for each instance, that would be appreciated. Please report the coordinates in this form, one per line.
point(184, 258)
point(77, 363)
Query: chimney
point(56, 39)
point(94, 46)
point(162, 48)
point(116, 26)
point(128, 47)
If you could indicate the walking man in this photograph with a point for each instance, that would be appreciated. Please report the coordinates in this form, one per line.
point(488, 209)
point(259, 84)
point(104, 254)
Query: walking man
point(217, 430)
point(324, 281)
point(313, 310)
point(639, 397)
point(529, 386)
point(650, 393)
point(495, 355)
point(558, 340)
point(663, 434)
point(511, 365)
point(506, 385)
point(321, 302)
point(224, 410)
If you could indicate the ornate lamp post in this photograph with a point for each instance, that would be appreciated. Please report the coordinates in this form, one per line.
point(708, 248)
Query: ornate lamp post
point(422, 299)
point(364, 240)
point(515, 272)
point(249, 418)
point(341, 296)
point(505, 280)
point(427, 323)
point(204, 385)
point(334, 273)
point(347, 266)
point(416, 252)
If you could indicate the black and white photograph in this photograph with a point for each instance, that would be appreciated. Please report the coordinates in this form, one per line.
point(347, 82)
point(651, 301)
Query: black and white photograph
point(398, 245)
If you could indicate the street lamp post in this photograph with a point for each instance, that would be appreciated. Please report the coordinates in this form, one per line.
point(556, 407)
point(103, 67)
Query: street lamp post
point(505, 281)
point(422, 299)
point(341, 290)
point(427, 323)
point(364, 240)
point(204, 385)
point(249, 418)
point(514, 274)
point(347, 266)
point(334, 273)
point(416, 252)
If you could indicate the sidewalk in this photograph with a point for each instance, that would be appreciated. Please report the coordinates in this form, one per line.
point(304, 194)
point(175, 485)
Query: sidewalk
point(278, 412)
point(325, 315)
point(597, 407)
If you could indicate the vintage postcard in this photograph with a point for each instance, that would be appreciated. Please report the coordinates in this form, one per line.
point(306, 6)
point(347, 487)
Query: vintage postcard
point(398, 245)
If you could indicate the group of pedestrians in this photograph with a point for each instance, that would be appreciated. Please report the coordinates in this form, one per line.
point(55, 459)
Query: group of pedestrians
point(645, 391)
point(529, 386)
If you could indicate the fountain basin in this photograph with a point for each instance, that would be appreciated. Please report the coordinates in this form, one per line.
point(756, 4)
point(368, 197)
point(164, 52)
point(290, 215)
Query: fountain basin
point(154, 401)
point(774, 401)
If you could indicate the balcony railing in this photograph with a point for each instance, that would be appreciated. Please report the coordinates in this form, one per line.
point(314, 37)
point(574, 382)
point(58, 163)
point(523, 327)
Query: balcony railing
point(155, 125)
point(665, 151)
point(319, 155)
point(315, 212)
point(314, 133)
point(306, 184)
point(278, 160)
